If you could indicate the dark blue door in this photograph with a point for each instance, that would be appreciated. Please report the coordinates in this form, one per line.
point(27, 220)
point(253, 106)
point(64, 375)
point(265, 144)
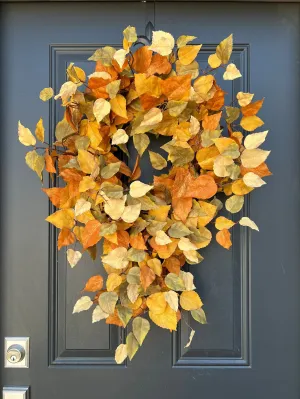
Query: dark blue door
point(250, 347)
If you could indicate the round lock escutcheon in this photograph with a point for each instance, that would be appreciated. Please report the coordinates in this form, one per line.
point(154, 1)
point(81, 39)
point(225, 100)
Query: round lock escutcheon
point(15, 353)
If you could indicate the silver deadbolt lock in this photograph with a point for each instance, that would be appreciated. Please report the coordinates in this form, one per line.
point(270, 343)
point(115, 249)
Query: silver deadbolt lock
point(15, 353)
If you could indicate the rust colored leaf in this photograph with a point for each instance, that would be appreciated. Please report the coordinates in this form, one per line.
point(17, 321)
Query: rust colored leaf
point(94, 284)
point(147, 276)
point(65, 237)
point(142, 59)
point(91, 234)
point(223, 237)
point(252, 108)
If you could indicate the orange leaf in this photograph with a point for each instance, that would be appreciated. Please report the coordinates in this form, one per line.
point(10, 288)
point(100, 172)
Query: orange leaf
point(223, 238)
point(137, 241)
point(136, 173)
point(54, 194)
point(91, 233)
point(262, 170)
point(211, 122)
point(142, 59)
point(49, 162)
point(172, 264)
point(65, 237)
point(182, 207)
point(147, 276)
point(217, 101)
point(177, 87)
point(114, 319)
point(159, 64)
point(94, 284)
point(252, 108)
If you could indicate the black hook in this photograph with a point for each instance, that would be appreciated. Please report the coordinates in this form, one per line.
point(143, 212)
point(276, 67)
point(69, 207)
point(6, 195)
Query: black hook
point(146, 39)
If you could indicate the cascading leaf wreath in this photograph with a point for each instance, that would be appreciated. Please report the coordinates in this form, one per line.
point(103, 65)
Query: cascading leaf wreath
point(149, 231)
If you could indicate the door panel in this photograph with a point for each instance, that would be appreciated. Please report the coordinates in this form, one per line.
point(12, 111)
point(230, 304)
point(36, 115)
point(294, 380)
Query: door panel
point(250, 348)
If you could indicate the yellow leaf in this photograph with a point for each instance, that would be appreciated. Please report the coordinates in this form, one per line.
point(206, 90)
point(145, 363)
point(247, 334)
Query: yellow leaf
point(101, 108)
point(120, 137)
point(208, 212)
point(161, 238)
point(130, 34)
point(121, 353)
point(224, 49)
point(160, 213)
point(118, 105)
point(87, 161)
point(46, 94)
point(184, 39)
point(187, 54)
point(157, 303)
point(76, 74)
point(35, 162)
point(131, 213)
point(113, 281)
point(155, 265)
point(235, 203)
point(63, 218)
point(239, 187)
point(251, 123)
point(231, 72)
point(202, 86)
point(87, 183)
point(167, 319)
point(40, 131)
point(223, 223)
point(214, 61)
point(91, 130)
point(157, 161)
point(162, 42)
point(25, 135)
point(190, 300)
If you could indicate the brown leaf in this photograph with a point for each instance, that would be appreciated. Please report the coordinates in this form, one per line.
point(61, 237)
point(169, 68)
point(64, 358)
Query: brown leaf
point(159, 64)
point(147, 276)
point(252, 108)
point(142, 59)
point(211, 122)
point(172, 264)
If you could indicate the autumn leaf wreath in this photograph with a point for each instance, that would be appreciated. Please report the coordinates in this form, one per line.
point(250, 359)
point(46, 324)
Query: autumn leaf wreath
point(149, 232)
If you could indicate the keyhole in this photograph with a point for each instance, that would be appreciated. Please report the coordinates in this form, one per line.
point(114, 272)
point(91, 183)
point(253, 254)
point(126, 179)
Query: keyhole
point(13, 358)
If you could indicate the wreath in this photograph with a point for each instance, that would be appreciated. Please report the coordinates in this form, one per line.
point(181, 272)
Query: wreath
point(149, 231)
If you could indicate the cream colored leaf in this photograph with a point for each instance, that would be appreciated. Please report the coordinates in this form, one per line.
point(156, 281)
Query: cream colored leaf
point(120, 137)
point(98, 314)
point(244, 98)
point(194, 126)
point(188, 280)
point(254, 140)
point(152, 117)
point(245, 221)
point(117, 258)
point(73, 257)
point(114, 207)
point(66, 91)
point(133, 292)
point(192, 333)
point(102, 75)
point(82, 206)
point(231, 72)
point(186, 245)
point(140, 328)
point(25, 135)
point(253, 180)
point(157, 161)
point(220, 165)
point(139, 189)
point(46, 94)
point(161, 238)
point(192, 257)
point(101, 108)
point(131, 213)
point(253, 158)
point(172, 299)
point(107, 301)
point(162, 42)
point(120, 57)
point(84, 303)
point(121, 353)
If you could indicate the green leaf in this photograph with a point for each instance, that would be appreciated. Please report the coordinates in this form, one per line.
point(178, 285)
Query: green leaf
point(178, 230)
point(105, 55)
point(132, 345)
point(110, 170)
point(124, 314)
point(199, 315)
point(174, 282)
point(141, 142)
point(107, 302)
point(133, 276)
point(136, 255)
point(140, 328)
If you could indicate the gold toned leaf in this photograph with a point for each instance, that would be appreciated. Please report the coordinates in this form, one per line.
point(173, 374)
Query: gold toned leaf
point(187, 54)
point(251, 123)
point(223, 223)
point(35, 162)
point(46, 94)
point(234, 203)
point(223, 237)
point(40, 130)
point(214, 61)
point(139, 189)
point(190, 300)
point(184, 39)
point(25, 135)
point(157, 161)
point(224, 49)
